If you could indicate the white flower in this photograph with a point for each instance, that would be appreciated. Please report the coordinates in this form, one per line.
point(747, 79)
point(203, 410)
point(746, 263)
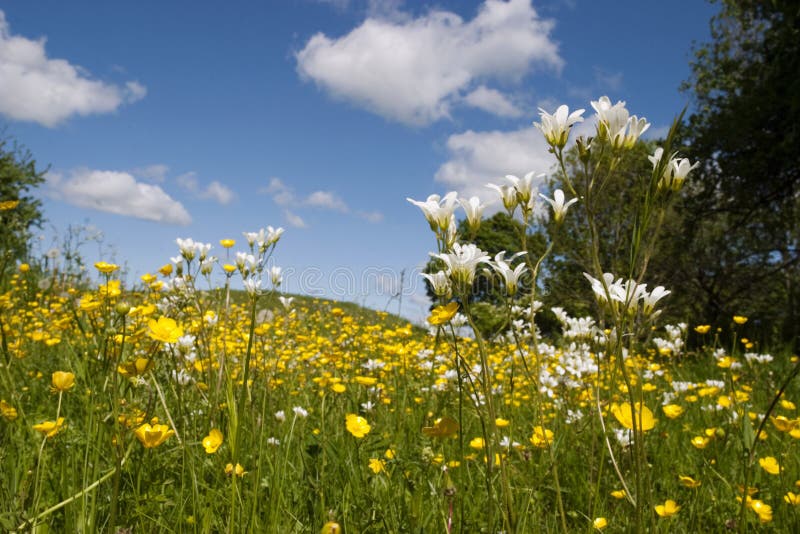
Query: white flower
point(649, 300)
point(275, 275)
point(202, 250)
point(556, 127)
point(437, 210)
point(187, 248)
point(510, 276)
point(675, 171)
point(300, 412)
point(559, 207)
point(273, 235)
point(462, 262)
point(440, 284)
point(246, 263)
point(523, 186)
point(280, 416)
point(474, 210)
point(252, 286)
point(286, 302)
point(508, 194)
point(273, 441)
point(636, 127)
point(612, 119)
point(367, 406)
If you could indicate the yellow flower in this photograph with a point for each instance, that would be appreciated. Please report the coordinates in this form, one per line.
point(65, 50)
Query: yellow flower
point(24, 267)
point(50, 428)
point(622, 412)
point(702, 329)
point(787, 405)
point(331, 527)
point(366, 380)
point(501, 423)
point(8, 205)
point(689, 482)
point(770, 465)
point(357, 425)
point(442, 428)
point(669, 508)
point(63, 381)
point(672, 410)
point(338, 387)
point(763, 510)
point(792, 498)
point(600, 523)
point(165, 329)
point(228, 268)
point(476, 443)
point(137, 367)
point(784, 424)
point(153, 435)
point(106, 268)
point(442, 314)
point(376, 465)
point(227, 243)
point(700, 442)
point(165, 269)
point(237, 470)
point(541, 437)
point(8, 412)
point(212, 441)
point(739, 319)
point(618, 494)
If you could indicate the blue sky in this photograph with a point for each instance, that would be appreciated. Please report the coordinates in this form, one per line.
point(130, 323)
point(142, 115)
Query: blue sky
point(161, 120)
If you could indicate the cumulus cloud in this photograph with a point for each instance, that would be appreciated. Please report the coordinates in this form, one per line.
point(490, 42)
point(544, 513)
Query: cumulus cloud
point(492, 101)
point(48, 91)
point(118, 192)
point(327, 200)
point(155, 173)
point(478, 158)
point(413, 70)
point(214, 191)
point(294, 220)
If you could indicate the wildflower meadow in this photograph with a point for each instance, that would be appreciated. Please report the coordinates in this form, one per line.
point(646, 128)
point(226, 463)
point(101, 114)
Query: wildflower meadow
point(202, 398)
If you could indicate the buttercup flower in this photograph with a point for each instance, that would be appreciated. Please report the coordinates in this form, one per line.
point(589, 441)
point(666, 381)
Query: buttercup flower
point(770, 465)
point(444, 427)
point(357, 425)
point(153, 435)
point(622, 412)
point(376, 465)
point(237, 470)
point(63, 381)
point(165, 330)
point(669, 508)
point(689, 482)
point(50, 428)
point(442, 314)
point(541, 437)
point(600, 523)
point(212, 441)
point(739, 319)
point(8, 412)
point(106, 268)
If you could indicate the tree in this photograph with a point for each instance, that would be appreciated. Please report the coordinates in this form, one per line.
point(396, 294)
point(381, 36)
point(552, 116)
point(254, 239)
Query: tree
point(22, 212)
point(739, 241)
point(496, 234)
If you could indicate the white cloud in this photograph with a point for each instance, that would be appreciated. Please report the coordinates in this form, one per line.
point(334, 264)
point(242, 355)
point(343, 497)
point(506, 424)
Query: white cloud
point(213, 191)
point(282, 195)
point(492, 101)
point(294, 220)
point(326, 199)
point(413, 70)
point(218, 192)
point(48, 91)
point(478, 158)
point(118, 192)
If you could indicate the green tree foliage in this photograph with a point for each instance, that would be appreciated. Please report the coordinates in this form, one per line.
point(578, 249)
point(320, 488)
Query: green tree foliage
point(18, 177)
point(496, 234)
point(737, 251)
point(615, 204)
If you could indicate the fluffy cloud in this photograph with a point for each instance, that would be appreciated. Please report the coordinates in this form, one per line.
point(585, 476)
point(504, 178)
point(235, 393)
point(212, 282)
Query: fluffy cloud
point(327, 200)
point(413, 70)
point(213, 191)
point(492, 101)
point(154, 173)
point(478, 158)
point(294, 219)
point(120, 193)
point(48, 91)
